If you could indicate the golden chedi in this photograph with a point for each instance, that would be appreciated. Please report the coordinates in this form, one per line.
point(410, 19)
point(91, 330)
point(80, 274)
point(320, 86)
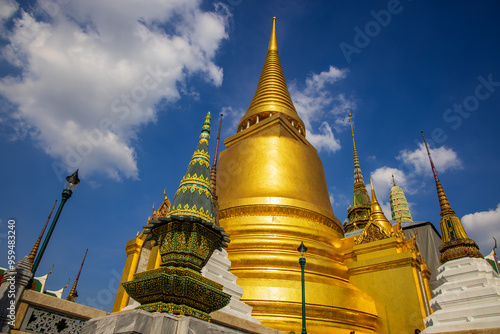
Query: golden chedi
point(272, 194)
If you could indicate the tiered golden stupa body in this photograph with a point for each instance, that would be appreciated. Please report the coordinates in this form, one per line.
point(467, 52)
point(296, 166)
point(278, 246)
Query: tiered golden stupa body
point(272, 195)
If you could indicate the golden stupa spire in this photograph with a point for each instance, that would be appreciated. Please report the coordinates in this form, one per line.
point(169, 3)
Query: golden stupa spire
point(272, 94)
point(377, 215)
point(273, 41)
point(34, 250)
point(73, 294)
point(456, 243)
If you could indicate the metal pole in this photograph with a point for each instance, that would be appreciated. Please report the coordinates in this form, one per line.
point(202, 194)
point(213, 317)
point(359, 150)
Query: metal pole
point(302, 262)
point(66, 194)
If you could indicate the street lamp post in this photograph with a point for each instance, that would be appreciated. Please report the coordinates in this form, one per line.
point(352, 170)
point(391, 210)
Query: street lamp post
point(71, 182)
point(302, 249)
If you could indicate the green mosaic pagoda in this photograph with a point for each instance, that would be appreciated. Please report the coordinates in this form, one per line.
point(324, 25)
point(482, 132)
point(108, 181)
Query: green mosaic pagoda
point(399, 205)
point(187, 236)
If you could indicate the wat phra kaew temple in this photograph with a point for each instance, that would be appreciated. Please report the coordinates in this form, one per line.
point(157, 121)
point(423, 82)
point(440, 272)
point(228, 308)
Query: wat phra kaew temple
point(222, 256)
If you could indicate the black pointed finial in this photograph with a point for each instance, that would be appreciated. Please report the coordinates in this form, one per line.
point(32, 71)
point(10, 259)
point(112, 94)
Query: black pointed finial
point(302, 249)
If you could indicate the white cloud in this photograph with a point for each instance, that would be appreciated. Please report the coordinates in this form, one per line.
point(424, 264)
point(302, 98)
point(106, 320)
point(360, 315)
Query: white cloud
point(93, 73)
point(233, 115)
point(317, 81)
point(443, 158)
point(324, 140)
point(7, 9)
point(382, 181)
point(482, 226)
point(316, 103)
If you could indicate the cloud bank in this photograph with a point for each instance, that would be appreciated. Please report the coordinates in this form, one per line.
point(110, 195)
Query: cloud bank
point(88, 74)
point(482, 226)
point(318, 107)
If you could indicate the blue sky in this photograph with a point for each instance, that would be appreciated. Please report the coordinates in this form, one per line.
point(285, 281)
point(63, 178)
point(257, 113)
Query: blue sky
point(120, 91)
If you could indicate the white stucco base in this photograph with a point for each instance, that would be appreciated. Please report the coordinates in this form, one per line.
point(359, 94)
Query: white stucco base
point(468, 297)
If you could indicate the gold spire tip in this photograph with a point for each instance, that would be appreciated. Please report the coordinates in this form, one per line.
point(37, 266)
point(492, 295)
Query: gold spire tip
point(273, 43)
point(374, 197)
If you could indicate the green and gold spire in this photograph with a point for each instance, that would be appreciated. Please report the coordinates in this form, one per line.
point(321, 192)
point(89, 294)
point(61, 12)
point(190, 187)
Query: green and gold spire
point(194, 196)
point(272, 94)
point(359, 213)
point(186, 238)
point(456, 244)
point(399, 205)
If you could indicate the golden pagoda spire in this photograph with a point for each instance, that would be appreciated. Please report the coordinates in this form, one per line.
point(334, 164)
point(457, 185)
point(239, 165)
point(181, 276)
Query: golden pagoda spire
point(73, 294)
point(377, 214)
point(378, 227)
point(456, 243)
point(34, 250)
point(272, 94)
point(359, 213)
point(273, 41)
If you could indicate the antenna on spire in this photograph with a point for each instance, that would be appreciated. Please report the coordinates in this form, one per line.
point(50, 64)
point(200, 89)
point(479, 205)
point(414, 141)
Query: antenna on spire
point(217, 144)
point(213, 176)
point(393, 180)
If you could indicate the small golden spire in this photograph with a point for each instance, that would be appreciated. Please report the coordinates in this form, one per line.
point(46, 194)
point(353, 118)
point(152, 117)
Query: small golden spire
point(272, 94)
point(456, 244)
point(377, 214)
point(73, 294)
point(34, 250)
point(273, 41)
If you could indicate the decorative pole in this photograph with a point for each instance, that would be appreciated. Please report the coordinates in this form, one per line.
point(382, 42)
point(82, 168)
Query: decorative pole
point(302, 249)
point(71, 183)
point(213, 177)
